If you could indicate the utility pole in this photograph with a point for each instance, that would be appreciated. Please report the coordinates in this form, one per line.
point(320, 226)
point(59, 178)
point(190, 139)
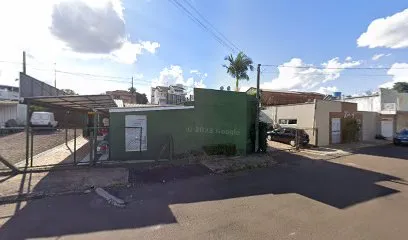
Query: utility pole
point(133, 92)
point(55, 75)
point(258, 76)
point(24, 62)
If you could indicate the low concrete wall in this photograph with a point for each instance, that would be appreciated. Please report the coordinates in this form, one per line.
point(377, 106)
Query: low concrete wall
point(402, 121)
point(370, 125)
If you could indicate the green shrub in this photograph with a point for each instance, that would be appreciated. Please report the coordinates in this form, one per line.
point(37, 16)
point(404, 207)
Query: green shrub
point(350, 130)
point(221, 149)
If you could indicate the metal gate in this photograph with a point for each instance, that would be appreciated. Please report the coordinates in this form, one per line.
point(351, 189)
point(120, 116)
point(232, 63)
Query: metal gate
point(335, 130)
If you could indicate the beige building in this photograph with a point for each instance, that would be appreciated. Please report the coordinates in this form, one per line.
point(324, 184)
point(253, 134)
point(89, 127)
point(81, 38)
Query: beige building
point(321, 119)
point(389, 107)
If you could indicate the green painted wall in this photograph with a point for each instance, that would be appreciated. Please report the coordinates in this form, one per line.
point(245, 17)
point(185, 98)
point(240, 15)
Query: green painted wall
point(160, 126)
point(217, 117)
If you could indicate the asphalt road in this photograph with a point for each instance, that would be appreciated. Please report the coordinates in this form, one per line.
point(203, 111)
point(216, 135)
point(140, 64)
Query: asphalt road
point(361, 196)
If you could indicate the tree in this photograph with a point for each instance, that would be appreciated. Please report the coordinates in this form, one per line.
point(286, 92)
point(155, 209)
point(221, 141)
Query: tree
point(401, 87)
point(69, 92)
point(238, 67)
point(141, 98)
point(132, 90)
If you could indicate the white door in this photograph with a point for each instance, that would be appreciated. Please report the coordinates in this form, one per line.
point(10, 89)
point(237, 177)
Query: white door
point(387, 128)
point(335, 130)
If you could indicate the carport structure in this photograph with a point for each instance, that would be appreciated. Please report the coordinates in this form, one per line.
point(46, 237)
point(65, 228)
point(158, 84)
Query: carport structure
point(98, 104)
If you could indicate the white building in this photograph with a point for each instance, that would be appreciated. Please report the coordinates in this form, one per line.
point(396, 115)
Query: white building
point(173, 94)
point(391, 107)
point(10, 107)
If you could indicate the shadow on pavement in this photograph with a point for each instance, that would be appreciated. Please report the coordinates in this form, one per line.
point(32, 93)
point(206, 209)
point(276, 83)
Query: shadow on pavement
point(336, 185)
point(388, 151)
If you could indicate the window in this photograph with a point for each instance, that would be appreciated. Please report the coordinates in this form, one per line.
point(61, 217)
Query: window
point(288, 121)
point(288, 130)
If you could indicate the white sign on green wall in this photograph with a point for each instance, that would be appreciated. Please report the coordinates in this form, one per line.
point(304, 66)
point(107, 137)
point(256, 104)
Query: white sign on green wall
point(135, 133)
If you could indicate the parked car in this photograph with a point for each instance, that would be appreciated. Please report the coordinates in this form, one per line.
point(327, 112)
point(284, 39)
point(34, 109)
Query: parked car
point(401, 137)
point(288, 135)
point(43, 119)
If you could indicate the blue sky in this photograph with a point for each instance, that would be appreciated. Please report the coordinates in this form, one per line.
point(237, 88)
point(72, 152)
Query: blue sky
point(170, 48)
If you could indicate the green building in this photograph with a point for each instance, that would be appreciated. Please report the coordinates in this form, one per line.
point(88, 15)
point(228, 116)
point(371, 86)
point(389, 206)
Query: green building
point(217, 117)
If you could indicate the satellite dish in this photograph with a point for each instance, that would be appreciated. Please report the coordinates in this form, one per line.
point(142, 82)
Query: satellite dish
point(222, 88)
point(229, 88)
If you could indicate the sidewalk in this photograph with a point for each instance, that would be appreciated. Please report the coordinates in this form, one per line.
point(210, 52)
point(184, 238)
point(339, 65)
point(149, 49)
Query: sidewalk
point(344, 148)
point(40, 184)
point(60, 154)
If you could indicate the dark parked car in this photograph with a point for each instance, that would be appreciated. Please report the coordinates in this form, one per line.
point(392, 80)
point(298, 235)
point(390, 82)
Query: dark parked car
point(288, 135)
point(401, 137)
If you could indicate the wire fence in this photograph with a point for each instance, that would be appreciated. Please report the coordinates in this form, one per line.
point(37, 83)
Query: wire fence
point(54, 147)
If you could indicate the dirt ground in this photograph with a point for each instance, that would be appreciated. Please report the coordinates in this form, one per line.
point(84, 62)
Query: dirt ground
point(13, 147)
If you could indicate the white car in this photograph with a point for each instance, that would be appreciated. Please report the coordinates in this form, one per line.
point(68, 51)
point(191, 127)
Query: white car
point(43, 119)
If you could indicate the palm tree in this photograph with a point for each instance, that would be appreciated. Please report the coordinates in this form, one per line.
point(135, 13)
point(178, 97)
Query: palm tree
point(238, 67)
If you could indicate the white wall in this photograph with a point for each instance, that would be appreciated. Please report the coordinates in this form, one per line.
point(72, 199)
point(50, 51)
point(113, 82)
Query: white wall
point(7, 112)
point(304, 113)
point(368, 103)
point(21, 114)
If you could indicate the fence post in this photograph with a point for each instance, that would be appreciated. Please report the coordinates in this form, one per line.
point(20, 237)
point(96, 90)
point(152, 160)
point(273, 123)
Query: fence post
point(31, 147)
point(140, 140)
point(27, 131)
point(75, 136)
point(95, 135)
point(297, 139)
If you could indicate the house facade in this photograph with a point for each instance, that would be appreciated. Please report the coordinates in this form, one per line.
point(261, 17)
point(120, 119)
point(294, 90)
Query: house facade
point(9, 93)
point(10, 108)
point(125, 96)
point(171, 95)
point(322, 120)
point(390, 108)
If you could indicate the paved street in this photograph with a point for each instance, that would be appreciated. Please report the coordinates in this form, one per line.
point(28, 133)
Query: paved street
point(361, 196)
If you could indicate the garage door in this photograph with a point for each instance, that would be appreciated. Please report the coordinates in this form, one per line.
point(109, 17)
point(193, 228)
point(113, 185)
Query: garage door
point(335, 130)
point(387, 128)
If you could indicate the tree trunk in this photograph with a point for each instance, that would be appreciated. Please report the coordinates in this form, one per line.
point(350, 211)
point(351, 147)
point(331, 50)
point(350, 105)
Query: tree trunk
point(236, 85)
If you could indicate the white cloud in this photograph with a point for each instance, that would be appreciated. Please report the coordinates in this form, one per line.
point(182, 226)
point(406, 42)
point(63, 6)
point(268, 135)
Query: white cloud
point(65, 31)
point(327, 90)
point(349, 58)
point(388, 32)
point(380, 55)
point(296, 74)
point(150, 46)
point(399, 73)
point(174, 75)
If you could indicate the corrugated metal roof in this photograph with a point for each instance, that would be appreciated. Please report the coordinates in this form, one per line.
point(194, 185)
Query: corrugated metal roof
point(75, 102)
point(150, 108)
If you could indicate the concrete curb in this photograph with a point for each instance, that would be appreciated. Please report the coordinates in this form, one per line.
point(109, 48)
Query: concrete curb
point(115, 201)
point(34, 196)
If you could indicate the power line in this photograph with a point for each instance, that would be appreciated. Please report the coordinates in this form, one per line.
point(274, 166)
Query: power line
point(91, 75)
point(334, 68)
point(203, 26)
point(211, 25)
